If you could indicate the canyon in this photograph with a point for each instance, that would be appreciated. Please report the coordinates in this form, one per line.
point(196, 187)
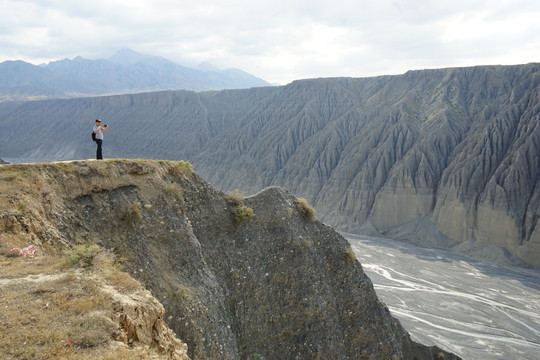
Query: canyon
point(235, 276)
point(443, 158)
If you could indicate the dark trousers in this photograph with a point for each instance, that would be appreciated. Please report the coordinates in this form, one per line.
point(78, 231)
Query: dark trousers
point(99, 155)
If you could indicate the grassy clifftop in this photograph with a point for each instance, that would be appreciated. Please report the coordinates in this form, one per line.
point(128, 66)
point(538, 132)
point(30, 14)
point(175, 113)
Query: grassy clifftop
point(79, 305)
point(65, 300)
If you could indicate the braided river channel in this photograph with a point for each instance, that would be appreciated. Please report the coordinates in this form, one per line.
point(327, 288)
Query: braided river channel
point(472, 308)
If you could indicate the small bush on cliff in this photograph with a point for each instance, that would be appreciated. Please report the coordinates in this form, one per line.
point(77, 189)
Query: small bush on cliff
point(240, 212)
point(183, 292)
point(306, 244)
point(306, 211)
point(174, 191)
point(235, 198)
point(134, 215)
point(181, 168)
point(80, 255)
point(349, 255)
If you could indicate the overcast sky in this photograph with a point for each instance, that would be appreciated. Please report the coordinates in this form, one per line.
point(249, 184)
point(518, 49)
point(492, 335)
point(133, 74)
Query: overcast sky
point(279, 40)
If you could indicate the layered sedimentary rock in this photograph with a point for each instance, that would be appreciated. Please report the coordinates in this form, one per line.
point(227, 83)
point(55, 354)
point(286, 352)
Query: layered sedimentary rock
point(445, 158)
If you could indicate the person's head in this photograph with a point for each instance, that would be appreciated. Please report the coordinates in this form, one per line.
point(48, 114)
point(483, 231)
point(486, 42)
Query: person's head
point(98, 122)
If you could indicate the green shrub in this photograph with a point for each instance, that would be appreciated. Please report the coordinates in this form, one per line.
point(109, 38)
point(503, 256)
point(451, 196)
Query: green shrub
point(349, 255)
point(306, 244)
point(181, 168)
point(80, 255)
point(306, 211)
point(235, 198)
point(241, 214)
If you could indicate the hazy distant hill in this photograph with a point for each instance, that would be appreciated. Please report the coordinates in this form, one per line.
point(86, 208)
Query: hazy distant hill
point(21, 80)
point(447, 158)
point(125, 72)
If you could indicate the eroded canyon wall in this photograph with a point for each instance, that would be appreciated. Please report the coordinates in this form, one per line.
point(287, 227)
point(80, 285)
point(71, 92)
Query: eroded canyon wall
point(445, 158)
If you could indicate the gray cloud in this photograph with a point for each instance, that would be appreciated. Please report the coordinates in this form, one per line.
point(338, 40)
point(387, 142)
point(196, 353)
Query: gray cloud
point(279, 40)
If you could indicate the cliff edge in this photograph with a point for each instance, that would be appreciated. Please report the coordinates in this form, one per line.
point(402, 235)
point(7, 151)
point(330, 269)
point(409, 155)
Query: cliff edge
point(238, 277)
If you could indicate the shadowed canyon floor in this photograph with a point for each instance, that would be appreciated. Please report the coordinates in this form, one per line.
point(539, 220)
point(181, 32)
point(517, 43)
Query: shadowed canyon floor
point(474, 309)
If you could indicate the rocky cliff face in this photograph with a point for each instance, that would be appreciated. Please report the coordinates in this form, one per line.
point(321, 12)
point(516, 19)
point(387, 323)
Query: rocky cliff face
point(273, 285)
point(445, 158)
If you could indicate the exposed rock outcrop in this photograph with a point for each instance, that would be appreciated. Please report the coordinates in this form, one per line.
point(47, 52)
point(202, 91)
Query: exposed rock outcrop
point(140, 319)
point(273, 285)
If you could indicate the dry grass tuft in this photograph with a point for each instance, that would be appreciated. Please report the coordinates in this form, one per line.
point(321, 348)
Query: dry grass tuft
point(106, 263)
point(183, 292)
point(306, 244)
point(235, 198)
point(133, 216)
point(18, 266)
point(241, 214)
point(51, 319)
point(122, 281)
point(174, 191)
point(306, 211)
point(349, 255)
point(181, 169)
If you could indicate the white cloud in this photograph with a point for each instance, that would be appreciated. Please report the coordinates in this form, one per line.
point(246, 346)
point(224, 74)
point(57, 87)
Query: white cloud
point(278, 40)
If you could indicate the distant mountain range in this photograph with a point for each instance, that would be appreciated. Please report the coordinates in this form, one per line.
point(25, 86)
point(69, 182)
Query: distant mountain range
point(446, 158)
point(125, 72)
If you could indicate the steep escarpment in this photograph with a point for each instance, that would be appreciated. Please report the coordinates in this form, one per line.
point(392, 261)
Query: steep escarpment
point(444, 158)
point(273, 285)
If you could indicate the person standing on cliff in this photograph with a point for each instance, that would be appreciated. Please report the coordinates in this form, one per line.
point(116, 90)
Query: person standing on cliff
point(99, 130)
